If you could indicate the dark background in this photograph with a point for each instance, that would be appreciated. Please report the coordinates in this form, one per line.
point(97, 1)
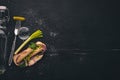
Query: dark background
point(82, 37)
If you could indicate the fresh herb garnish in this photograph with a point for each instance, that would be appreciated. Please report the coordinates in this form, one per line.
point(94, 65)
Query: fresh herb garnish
point(32, 45)
point(22, 64)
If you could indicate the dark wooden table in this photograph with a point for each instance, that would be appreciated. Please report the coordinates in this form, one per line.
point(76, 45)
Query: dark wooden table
point(82, 37)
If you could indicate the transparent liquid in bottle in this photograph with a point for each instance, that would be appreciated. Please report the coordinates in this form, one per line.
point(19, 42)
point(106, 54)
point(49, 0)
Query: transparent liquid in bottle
point(2, 51)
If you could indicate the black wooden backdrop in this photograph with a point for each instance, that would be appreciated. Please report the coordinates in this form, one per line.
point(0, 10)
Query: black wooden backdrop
point(82, 37)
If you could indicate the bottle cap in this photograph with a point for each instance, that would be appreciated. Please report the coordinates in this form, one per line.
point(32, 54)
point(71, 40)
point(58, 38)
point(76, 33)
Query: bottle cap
point(3, 7)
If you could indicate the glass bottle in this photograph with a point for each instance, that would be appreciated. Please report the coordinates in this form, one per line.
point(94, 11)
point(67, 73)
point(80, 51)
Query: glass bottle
point(3, 46)
point(4, 18)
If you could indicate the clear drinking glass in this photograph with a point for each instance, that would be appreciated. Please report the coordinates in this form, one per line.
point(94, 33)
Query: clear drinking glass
point(23, 33)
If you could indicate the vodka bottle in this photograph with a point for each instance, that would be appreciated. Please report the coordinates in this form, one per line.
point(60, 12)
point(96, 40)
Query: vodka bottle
point(3, 46)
